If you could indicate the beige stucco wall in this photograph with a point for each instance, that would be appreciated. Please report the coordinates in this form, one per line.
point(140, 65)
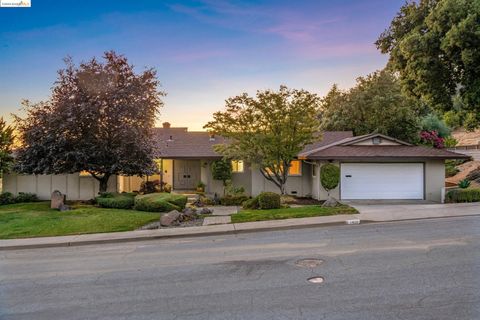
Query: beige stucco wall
point(74, 186)
point(434, 179)
point(239, 179)
point(133, 183)
point(298, 185)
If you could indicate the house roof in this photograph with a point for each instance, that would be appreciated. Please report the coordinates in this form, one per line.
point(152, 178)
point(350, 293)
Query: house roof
point(180, 143)
point(348, 149)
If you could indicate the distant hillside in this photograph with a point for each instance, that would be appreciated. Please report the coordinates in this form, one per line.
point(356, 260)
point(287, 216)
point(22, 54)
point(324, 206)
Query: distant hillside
point(466, 138)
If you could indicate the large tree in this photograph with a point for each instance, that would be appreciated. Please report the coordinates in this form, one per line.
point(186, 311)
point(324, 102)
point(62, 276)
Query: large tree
point(6, 143)
point(433, 44)
point(98, 119)
point(374, 104)
point(268, 130)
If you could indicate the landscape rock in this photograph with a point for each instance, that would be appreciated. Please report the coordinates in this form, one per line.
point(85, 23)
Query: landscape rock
point(57, 200)
point(190, 212)
point(64, 207)
point(168, 219)
point(205, 211)
point(330, 202)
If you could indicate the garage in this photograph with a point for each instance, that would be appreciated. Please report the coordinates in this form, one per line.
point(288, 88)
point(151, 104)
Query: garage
point(382, 181)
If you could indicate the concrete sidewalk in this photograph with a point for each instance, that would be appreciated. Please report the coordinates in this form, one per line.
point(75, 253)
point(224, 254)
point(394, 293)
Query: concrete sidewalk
point(368, 213)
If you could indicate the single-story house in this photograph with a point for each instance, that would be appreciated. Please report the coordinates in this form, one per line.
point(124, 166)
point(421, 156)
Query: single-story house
point(372, 166)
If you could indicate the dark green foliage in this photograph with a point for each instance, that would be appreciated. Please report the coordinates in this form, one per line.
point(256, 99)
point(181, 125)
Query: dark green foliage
point(222, 170)
point(375, 104)
point(150, 186)
point(230, 200)
point(433, 45)
point(432, 122)
point(450, 168)
point(116, 200)
point(160, 202)
point(329, 176)
point(463, 195)
point(268, 200)
point(6, 142)
point(464, 184)
point(251, 203)
point(6, 198)
point(26, 197)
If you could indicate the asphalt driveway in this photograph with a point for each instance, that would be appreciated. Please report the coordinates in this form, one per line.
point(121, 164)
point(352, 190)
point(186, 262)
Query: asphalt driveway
point(419, 210)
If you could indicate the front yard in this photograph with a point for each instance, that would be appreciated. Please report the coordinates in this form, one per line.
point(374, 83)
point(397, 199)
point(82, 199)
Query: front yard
point(36, 219)
point(288, 213)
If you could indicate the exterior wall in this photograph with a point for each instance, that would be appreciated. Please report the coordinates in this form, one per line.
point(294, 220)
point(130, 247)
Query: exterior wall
point(133, 183)
point(239, 179)
point(434, 180)
point(296, 185)
point(74, 186)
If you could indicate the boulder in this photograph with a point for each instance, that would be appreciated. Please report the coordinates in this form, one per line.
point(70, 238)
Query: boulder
point(330, 202)
point(205, 211)
point(168, 219)
point(190, 212)
point(57, 200)
point(64, 207)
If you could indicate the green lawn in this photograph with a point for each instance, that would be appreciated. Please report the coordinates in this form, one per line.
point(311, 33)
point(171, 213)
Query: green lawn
point(287, 213)
point(36, 219)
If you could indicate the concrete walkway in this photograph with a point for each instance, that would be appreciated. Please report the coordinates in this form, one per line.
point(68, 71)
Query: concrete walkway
point(368, 213)
point(220, 215)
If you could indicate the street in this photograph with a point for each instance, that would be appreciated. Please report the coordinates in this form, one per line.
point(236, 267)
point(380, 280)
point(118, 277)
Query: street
point(428, 269)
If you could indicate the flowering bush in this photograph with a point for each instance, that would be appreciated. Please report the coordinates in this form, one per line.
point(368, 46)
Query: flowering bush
point(432, 138)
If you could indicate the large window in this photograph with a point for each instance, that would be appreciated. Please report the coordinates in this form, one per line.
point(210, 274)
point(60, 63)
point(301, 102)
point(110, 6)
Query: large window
point(237, 166)
point(295, 168)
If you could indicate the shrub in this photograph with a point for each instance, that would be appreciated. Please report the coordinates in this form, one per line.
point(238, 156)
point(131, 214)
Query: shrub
point(116, 200)
point(150, 186)
point(160, 202)
point(450, 168)
point(464, 184)
point(26, 197)
point(6, 198)
point(250, 203)
point(222, 170)
point(432, 122)
point(329, 176)
point(230, 200)
point(231, 190)
point(268, 200)
point(463, 195)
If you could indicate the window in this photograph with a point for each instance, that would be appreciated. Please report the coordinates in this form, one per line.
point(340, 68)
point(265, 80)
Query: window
point(237, 166)
point(85, 174)
point(295, 168)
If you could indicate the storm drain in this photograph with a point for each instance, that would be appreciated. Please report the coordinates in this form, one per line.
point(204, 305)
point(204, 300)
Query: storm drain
point(316, 280)
point(308, 263)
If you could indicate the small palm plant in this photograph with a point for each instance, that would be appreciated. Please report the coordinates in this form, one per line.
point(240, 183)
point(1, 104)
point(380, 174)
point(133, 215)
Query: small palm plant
point(464, 184)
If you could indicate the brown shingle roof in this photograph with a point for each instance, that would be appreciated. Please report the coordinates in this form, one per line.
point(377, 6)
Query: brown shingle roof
point(340, 152)
point(181, 143)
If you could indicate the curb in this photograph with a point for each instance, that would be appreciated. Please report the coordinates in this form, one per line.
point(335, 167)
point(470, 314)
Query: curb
point(234, 228)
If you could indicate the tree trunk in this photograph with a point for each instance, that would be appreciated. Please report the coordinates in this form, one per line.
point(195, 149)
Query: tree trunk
point(103, 183)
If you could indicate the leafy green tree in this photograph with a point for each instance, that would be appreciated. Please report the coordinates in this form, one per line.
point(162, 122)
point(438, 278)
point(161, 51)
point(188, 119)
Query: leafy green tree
point(6, 143)
point(432, 122)
point(99, 120)
point(268, 130)
point(375, 104)
point(433, 44)
point(222, 170)
point(329, 176)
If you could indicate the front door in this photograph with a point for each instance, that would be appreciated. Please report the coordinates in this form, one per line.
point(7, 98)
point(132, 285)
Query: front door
point(186, 174)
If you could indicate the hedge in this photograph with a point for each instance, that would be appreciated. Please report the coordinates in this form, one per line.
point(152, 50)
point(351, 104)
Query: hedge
point(160, 202)
point(250, 203)
point(463, 195)
point(269, 200)
point(116, 200)
point(233, 200)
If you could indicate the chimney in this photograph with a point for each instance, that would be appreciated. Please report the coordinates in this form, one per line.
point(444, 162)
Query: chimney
point(166, 125)
point(212, 136)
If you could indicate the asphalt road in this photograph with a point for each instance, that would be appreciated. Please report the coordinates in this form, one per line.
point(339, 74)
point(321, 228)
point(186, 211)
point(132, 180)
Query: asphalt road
point(426, 269)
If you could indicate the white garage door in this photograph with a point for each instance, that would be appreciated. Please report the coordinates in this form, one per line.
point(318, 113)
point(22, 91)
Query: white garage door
point(381, 181)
